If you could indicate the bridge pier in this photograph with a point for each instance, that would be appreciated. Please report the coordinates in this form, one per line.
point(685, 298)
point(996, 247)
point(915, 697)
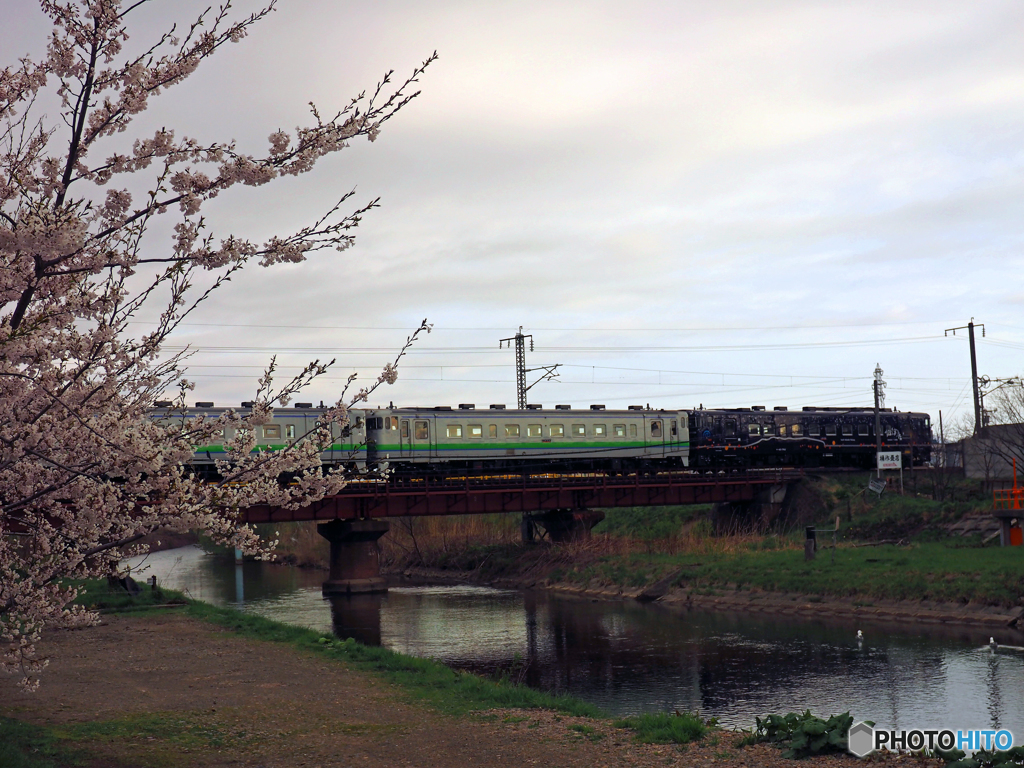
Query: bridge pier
point(757, 515)
point(355, 560)
point(565, 525)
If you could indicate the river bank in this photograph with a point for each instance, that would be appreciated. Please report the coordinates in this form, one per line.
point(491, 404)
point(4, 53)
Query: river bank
point(942, 582)
point(1007, 623)
point(193, 686)
point(939, 565)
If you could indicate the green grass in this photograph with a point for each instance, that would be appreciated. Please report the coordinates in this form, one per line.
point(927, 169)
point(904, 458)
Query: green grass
point(925, 571)
point(97, 594)
point(650, 523)
point(667, 728)
point(158, 740)
point(28, 746)
point(180, 730)
point(587, 732)
point(944, 571)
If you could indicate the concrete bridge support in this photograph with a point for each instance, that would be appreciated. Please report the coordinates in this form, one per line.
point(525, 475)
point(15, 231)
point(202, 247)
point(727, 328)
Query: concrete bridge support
point(355, 559)
point(357, 616)
point(562, 525)
point(750, 516)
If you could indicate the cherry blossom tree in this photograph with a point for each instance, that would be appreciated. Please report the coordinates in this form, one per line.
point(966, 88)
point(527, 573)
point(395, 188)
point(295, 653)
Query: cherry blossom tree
point(85, 473)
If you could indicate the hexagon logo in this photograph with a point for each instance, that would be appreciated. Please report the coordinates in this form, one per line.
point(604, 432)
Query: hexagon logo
point(861, 739)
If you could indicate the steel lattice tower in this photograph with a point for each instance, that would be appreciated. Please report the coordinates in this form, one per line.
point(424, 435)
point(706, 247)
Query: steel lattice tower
point(521, 370)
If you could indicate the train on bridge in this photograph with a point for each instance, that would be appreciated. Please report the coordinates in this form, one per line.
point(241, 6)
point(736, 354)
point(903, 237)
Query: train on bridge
point(466, 439)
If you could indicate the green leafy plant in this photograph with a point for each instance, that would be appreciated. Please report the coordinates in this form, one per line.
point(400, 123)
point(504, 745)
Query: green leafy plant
point(1009, 758)
point(805, 734)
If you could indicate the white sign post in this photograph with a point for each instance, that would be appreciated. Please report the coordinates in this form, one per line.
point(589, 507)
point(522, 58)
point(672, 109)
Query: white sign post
point(891, 460)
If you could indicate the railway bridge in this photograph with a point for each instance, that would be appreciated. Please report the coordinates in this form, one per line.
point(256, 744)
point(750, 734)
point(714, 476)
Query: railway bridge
point(564, 506)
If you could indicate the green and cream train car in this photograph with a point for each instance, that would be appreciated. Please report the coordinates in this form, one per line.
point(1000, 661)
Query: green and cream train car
point(288, 426)
point(560, 439)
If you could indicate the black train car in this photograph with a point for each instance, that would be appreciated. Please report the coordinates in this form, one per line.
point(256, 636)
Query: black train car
point(811, 437)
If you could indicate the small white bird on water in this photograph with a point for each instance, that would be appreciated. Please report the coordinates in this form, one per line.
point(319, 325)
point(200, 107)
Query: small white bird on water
point(992, 643)
point(860, 639)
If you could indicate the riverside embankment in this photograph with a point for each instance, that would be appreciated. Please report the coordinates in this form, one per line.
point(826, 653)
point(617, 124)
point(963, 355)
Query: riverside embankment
point(930, 573)
point(940, 564)
point(200, 686)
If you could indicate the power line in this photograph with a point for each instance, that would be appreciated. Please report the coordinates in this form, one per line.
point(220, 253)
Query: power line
point(236, 349)
point(693, 329)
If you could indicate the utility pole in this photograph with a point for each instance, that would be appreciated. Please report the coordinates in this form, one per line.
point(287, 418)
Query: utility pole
point(877, 386)
point(974, 368)
point(520, 341)
point(522, 370)
point(983, 383)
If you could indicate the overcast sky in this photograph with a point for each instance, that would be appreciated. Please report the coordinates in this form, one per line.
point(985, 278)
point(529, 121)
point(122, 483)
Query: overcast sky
point(726, 203)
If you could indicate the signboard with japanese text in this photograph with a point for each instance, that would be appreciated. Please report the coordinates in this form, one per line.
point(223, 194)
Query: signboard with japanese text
point(890, 460)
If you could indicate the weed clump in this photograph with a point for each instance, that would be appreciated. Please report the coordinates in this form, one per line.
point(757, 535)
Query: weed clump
point(668, 727)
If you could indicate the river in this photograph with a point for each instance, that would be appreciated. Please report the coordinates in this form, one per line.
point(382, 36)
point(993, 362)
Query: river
point(629, 658)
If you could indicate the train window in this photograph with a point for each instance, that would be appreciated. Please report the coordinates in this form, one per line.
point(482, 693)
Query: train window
point(289, 431)
point(492, 430)
point(632, 430)
point(422, 430)
point(272, 431)
point(557, 430)
point(795, 430)
point(346, 431)
point(782, 430)
point(359, 422)
point(730, 428)
point(619, 430)
point(511, 430)
point(674, 431)
point(579, 430)
point(755, 429)
point(405, 429)
point(863, 430)
point(600, 430)
point(375, 422)
point(656, 429)
point(533, 430)
point(454, 430)
point(394, 424)
point(475, 430)
point(847, 430)
point(830, 430)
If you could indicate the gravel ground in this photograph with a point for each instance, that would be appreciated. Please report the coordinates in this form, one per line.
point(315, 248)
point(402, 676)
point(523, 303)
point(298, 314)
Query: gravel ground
point(191, 694)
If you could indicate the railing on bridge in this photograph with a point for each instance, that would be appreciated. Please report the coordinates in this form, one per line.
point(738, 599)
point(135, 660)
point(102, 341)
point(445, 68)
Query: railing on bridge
point(454, 495)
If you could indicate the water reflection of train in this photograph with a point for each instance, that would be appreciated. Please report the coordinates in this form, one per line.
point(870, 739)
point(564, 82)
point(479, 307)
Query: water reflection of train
point(441, 439)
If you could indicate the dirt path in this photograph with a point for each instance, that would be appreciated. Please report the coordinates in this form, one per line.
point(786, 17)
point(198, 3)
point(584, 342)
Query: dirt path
point(168, 690)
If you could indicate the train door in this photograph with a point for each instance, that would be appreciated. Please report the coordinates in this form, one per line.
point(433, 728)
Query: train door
point(405, 438)
point(657, 435)
point(423, 441)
